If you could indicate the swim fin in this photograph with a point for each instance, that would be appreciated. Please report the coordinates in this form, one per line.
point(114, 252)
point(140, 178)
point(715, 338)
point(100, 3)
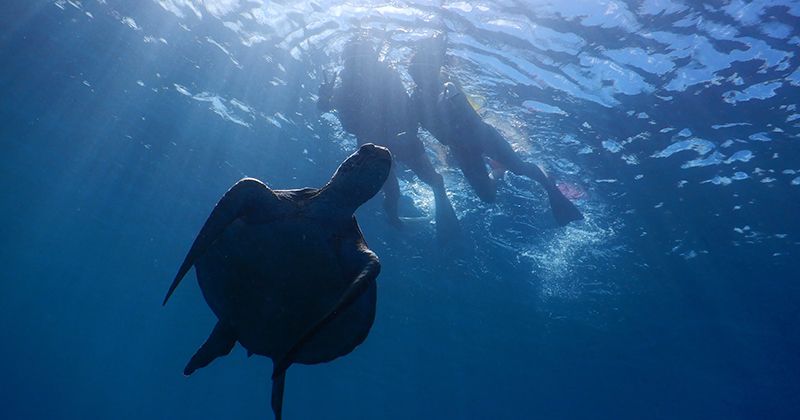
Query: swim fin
point(447, 227)
point(564, 210)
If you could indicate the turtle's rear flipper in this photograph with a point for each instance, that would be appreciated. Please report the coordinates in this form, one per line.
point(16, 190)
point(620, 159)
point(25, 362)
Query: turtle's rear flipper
point(278, 380)
point(219, 343)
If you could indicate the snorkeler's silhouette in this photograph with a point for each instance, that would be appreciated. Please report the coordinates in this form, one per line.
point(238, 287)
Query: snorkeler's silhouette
point(444, 110)
point(372, 104)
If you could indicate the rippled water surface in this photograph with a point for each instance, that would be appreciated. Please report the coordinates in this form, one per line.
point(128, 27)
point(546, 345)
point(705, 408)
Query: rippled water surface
point(674, 126)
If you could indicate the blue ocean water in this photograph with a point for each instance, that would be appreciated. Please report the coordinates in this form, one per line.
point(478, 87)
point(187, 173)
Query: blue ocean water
point(122, 123)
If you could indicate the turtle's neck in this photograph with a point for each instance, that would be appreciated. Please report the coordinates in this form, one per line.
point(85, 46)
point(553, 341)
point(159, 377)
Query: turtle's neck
point(333, 203)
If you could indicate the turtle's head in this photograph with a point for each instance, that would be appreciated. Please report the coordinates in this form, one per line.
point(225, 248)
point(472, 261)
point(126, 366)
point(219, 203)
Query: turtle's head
point(361, 175)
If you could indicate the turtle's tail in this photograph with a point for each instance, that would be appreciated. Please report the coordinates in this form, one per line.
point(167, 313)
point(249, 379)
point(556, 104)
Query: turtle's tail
point(278, 380)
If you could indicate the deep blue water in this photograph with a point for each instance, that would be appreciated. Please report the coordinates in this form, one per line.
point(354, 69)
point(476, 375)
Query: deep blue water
point(122, 123)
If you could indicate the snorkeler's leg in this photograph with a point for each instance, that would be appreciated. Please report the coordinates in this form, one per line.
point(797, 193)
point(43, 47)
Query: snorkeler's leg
point(474, 169)
point(498, 148)
point(391, 198)
point(415, 158)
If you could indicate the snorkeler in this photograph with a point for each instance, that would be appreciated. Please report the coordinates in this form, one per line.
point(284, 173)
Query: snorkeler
point(444, 110)
point(372, 104)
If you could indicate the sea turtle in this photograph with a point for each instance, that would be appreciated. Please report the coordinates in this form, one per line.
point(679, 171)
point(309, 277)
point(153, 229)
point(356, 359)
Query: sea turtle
point(287, 272)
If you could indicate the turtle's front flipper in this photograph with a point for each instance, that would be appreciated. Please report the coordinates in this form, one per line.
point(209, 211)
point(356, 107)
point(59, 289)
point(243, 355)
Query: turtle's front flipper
point(356, 289)
point(248, 198)
point(278, 380)
point(219, 343)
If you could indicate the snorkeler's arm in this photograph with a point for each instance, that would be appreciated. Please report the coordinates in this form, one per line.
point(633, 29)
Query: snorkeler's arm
point(326, 93)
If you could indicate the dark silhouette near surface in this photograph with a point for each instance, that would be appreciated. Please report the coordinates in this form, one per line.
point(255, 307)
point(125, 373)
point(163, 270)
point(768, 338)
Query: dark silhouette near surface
point(373, 105)
point(444, 110)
